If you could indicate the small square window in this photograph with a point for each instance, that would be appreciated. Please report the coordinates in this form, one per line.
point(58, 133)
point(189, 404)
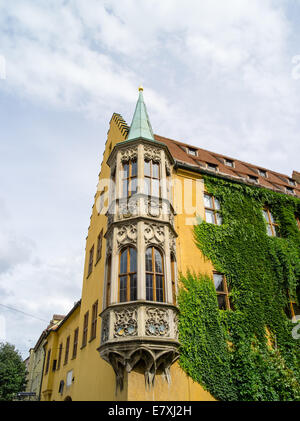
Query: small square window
point(229, 163)
point(192, 151)
point(289, 190)
point(292, 182)
point(253, 178)
point(262, 173)
point(212, 167)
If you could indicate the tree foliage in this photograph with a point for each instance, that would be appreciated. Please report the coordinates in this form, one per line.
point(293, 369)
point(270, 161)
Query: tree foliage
point(248, 353)
point(12, 372)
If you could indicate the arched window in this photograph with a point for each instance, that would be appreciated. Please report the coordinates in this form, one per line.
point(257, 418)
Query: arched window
point(127, 275)
point(152, 178)
point(173, 277)
point(129, 178)
point(155, 290)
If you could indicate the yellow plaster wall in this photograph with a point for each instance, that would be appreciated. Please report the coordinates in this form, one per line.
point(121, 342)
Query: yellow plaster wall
point(94, 378)
point(181, 388)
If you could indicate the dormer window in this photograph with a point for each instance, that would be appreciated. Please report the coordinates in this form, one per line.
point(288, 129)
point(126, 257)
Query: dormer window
point(229, 163)
point(212, 167)
point(253, 178)
point(292, 182)
point(289, 190)
point(262, 173)
point(192, 151)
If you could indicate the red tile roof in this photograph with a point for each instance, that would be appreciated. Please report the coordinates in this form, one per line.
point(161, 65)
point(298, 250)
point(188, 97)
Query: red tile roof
point(241, 170)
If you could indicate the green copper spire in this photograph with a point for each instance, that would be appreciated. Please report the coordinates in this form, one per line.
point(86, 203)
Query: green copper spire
point(140, 126)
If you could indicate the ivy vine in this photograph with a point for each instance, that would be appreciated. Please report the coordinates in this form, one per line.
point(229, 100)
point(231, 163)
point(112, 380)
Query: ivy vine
point(247, 353)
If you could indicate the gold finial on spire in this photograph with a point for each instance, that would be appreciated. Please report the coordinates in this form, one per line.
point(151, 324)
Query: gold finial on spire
point(141, 88)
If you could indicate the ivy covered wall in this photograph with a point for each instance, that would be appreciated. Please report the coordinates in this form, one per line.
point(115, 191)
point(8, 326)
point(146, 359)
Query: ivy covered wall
point(247, 353)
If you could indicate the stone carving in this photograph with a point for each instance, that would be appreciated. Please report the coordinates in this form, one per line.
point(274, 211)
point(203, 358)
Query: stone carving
point(152, 153)
point(126, 322)
point(127, 234)
point(154, 233)
point(168, 167)
point(175, 321)
point(128, 208)
point(153, 359)
point(153, 207)
point(157, 322)
point(172, 243)
point(108, 246)
point(129, 154)
point(105, 328)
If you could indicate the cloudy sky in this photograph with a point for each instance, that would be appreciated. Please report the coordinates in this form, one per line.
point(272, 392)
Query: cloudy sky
point(221, 75)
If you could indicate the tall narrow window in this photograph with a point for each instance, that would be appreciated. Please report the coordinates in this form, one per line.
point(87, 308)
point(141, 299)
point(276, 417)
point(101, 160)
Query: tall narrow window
point(212, 210)
point(173, 276)
point(129, 179)
point(85, 329)
point(99, 246)
point(128, 275)
point(91, 259)
point(94, 321)
point(154, 275)
point(108, 280)
point(222, 291)
point(48, 361)
point(152, 178)
point(59, 356)
point(272, 227)
point(67, 350)
point(75, 344)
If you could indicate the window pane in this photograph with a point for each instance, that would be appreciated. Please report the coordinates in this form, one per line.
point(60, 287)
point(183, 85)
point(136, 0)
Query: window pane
point(147, 168)
point(209, 217)
point(132, 259)
point(125, 170)
point(125, 188)
point(217, 204)
point(149, 287)
point(218, 281)
point(207, 201)
point(133, 287)
point(266, 216)
point(133, 169)
point(149, 260)
point(269, 230)
point(147, 184)
point(155, 170)
point(123, 262)
point(133, 186)
point(155, 187)
point(222, 302)
point(123, 288)
point(159, 288)
point(158, 262)
point(219, 219)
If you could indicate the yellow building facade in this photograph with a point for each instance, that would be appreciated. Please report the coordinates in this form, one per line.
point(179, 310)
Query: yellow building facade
point(120, 341)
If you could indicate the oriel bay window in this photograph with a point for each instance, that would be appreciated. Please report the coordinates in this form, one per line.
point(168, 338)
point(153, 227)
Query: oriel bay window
point(155, 290)
point(152, 178)
point(129, 178)
point(128, 275)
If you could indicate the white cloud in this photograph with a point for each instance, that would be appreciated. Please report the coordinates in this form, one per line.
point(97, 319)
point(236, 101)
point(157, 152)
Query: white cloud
point(216, 74)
